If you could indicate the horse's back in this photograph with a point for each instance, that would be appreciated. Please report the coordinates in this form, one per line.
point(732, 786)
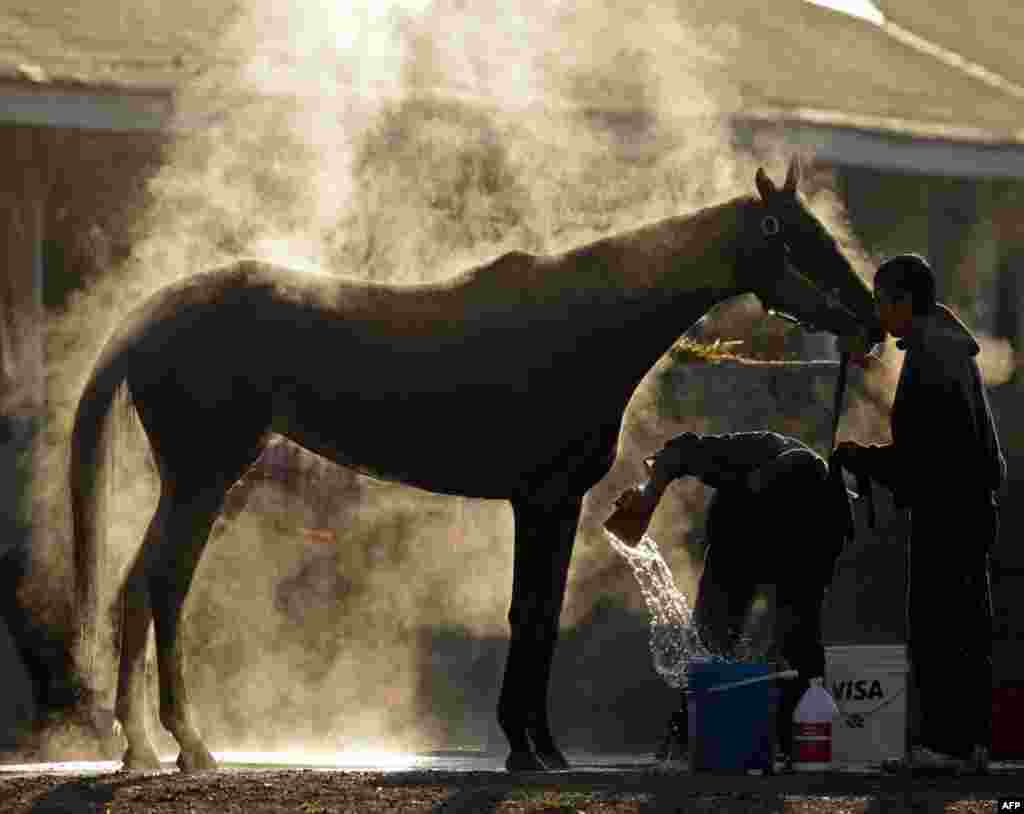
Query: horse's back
point(423, 384)
point(252, 293)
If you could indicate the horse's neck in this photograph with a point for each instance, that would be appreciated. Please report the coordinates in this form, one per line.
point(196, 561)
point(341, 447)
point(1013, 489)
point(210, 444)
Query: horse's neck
point(654, 330)
point(665, 273)
point(675, 255)
point(654, 283)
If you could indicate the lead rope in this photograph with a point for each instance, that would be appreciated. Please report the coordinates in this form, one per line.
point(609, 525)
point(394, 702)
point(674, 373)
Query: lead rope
point(837, 404)
point(835, 472)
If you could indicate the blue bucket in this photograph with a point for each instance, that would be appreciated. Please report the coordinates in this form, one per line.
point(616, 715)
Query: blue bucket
point(731, 728)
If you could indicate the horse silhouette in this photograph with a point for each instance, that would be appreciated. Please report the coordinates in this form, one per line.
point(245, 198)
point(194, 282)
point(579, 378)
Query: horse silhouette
point(506, 381)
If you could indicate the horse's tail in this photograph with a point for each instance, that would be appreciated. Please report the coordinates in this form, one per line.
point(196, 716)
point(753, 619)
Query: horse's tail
point(89, 471)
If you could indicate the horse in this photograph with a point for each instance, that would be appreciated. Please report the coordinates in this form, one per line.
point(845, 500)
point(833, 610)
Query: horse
point(506, 381)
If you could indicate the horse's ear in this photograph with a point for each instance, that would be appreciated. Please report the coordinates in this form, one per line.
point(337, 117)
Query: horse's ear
point(792, 176)
point(764, 184)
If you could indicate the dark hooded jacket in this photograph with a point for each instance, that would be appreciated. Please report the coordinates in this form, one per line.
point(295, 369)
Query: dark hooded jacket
point(944, 436)
point(796, 497)
point(725, 460)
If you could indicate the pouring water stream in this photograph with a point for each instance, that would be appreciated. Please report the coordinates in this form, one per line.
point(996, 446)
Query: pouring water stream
point(674, 641)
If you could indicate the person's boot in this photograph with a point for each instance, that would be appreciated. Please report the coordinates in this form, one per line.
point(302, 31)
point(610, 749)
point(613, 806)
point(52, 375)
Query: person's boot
point(664, 750)
point(782, 763)
point(978, 761)
point(927, 761)
point(674, 745)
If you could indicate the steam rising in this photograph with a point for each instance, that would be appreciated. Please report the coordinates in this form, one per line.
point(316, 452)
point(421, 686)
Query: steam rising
point(396, 142)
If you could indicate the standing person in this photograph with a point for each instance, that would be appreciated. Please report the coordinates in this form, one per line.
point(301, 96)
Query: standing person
point(774, 518)
point(946, 466)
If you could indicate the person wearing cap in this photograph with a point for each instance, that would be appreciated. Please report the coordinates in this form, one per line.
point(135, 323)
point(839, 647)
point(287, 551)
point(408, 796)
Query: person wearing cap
point(945, 465)
point(767, 487)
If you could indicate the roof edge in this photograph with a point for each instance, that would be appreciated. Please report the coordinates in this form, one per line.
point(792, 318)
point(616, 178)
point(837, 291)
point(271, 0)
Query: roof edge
point(32, 77)
point(86, 106)
point(890, 125)
point(888, 145)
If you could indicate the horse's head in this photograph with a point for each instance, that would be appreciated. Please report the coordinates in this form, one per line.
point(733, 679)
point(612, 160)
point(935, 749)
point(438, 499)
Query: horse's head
point(796, 268)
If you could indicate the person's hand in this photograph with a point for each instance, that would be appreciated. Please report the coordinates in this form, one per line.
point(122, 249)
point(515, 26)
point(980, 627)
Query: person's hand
point(861, 360)
point(634, 509)
point(848, 455)
point(857, 347)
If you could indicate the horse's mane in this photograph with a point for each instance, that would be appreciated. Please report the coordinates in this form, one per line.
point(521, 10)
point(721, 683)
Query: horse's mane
point(597, 264)
point(684, 227)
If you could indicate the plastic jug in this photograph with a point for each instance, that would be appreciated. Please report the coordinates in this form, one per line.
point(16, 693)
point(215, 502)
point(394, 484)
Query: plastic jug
point(812, 729)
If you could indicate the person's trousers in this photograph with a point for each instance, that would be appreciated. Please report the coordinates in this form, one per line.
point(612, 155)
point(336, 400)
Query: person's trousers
point(798, 639)
point(722, 602)
point(949, 623)
point(785, 536)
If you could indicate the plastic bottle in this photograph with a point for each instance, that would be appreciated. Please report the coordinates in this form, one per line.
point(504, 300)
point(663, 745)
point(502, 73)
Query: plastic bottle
point(812, 729)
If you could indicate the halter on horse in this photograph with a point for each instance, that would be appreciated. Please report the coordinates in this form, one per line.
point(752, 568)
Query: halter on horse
point(506, 381)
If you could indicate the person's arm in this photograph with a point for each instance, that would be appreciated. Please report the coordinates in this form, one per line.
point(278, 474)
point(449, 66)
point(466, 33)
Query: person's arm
point(882, 463)
point(717, 460)
point(635, 507)
point(673, 460)
point(778, 468)
point(936, 434)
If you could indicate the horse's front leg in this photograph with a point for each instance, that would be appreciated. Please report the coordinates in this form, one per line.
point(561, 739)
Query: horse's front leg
point(544, 537)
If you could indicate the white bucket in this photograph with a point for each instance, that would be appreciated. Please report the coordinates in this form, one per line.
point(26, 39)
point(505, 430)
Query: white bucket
point(869, 685)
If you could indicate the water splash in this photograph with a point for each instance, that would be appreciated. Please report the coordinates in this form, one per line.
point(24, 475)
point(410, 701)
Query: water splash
point(674, 639)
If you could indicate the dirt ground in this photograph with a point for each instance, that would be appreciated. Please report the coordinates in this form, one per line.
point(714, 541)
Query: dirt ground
point(312, 791)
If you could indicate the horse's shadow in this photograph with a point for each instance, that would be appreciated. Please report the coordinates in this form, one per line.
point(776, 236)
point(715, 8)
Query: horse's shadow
point(87, 794)
point(672, 800)
point(472, 801)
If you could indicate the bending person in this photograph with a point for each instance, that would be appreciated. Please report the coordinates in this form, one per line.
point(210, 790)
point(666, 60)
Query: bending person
point(774, 518)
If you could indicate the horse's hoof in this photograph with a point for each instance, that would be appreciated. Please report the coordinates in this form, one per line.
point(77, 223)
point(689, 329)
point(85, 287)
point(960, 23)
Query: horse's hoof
point(524, 762)
point(199, 760)
point(140, 760)
point(554, 760)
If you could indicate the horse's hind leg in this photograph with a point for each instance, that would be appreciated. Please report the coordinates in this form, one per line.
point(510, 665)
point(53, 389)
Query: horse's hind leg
point(135, 623)
point(190, 517)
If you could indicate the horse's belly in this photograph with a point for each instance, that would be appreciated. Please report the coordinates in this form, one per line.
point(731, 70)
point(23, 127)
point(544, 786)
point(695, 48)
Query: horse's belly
point(408, 442)
point(465, 435)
